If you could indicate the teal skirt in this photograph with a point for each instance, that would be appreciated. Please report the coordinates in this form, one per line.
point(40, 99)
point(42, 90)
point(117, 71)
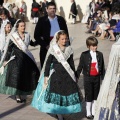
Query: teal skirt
point(61, 106)
point(9, 90)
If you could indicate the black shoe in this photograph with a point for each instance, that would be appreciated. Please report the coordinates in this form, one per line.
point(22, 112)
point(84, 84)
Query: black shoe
point(24, 100)
point(58, 118)
point(90, 117)
point(93, 116)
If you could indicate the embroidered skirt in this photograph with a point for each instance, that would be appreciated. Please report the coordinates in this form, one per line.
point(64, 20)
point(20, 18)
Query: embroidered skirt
point(49, 102)
point(10, 90)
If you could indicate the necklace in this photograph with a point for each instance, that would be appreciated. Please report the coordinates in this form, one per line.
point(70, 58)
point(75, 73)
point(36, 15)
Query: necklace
point(22, 36)
point(62, 49)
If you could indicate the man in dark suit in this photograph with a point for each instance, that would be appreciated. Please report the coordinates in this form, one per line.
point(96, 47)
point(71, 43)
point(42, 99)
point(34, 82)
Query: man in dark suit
point(46, 27)
point(73, 11)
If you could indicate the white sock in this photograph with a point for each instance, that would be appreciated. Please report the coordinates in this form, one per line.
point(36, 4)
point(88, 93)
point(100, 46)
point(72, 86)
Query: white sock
point(74, 20)
point(93, 107)
point(88, 108)
point(60, 117)
point(34, 20)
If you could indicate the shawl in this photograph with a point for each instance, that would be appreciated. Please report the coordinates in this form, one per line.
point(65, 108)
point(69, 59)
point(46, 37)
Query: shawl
point(108, 88)
point(67, 53)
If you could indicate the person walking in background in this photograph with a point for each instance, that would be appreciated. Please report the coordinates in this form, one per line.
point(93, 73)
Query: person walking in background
point(92, 64)
point(57, 91)
point(5, 16)
point(46, 28)
point(15, 11)
point(23, 10)
point(6, 4)
point(40, 9)
point(35, 11)
point(73, 11)
point(44, 7)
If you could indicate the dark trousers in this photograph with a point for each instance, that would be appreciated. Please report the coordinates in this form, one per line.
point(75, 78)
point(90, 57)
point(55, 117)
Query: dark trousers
point(43, 52)
point(92, 87)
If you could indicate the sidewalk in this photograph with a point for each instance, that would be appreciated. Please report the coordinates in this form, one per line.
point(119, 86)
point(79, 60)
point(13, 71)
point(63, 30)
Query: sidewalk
point(10, 110)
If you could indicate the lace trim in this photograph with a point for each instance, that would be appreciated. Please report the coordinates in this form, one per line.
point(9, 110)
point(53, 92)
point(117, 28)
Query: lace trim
point(62, 100)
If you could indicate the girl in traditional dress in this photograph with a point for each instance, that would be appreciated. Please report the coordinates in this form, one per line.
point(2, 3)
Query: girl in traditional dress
point(3, 37)
point(57, 91)
point(20, 75)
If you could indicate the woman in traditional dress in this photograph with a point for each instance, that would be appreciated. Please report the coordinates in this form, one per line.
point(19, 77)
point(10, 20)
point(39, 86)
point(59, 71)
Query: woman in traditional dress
point(108, 102)
point(3, 36)
point(57, 91)
point(20, 75)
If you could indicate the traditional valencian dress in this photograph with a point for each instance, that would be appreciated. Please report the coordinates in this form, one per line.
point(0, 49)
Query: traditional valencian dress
point(20, 76)
point(108, 102)
point(3, 24)
point(3, 37)
point(61, 95)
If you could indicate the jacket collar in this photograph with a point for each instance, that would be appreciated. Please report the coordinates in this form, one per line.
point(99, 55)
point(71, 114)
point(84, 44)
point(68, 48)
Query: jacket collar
point(97, 55)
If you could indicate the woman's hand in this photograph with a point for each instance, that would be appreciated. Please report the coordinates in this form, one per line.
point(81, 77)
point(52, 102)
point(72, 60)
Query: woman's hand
point(4, 63)
point(45, 82)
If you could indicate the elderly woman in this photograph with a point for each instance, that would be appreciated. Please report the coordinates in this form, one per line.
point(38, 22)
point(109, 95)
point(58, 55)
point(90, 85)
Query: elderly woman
point(57, 91)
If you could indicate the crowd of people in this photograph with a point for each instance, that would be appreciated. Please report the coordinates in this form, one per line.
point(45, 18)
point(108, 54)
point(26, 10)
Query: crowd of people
point(103, 19)
point(15, 11)
point(55, 87)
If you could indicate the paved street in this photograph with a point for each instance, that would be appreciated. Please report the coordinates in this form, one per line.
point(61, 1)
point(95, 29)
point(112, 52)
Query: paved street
point(10, 110)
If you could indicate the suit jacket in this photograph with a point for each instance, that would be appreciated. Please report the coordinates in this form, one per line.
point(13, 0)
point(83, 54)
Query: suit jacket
point(43, 28)
point(85, 63)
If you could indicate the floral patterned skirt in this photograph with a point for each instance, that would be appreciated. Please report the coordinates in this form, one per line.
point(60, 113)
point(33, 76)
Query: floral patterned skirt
point(48, 102)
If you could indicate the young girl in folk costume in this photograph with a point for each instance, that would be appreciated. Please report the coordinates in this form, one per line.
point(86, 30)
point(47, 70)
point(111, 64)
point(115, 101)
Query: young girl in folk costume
point(20, 75)
point(92, 65)
point(3, 37)
point(57, 91)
